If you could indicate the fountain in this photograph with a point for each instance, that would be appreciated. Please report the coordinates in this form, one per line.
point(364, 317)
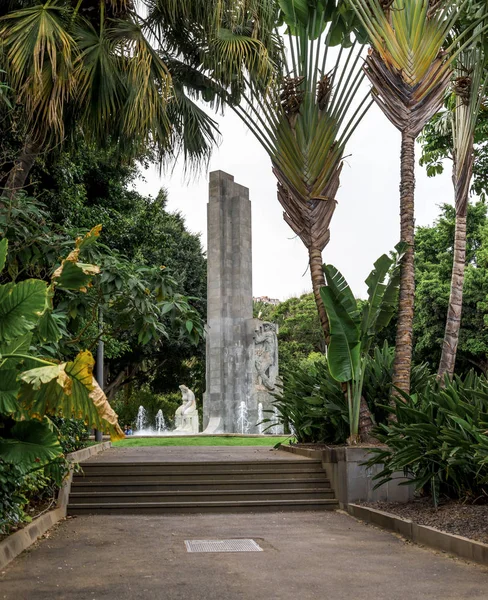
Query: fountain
point(260, 418)
point(276, 429)
point(141, 419)
point(160, 423)
point(242, 420)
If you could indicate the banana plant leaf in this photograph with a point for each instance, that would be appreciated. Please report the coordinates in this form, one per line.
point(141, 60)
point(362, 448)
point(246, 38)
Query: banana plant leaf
point(376, 291)
point(33, 444)
point(344, 348)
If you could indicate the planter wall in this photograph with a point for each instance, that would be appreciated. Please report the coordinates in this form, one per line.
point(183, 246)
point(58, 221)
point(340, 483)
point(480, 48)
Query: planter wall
point(351, 481)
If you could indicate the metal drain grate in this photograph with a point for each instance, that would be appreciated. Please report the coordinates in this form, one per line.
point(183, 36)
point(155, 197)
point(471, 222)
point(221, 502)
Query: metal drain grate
point(222, 546)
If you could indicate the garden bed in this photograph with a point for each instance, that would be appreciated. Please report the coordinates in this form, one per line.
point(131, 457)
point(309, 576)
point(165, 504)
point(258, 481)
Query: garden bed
point(467, 520)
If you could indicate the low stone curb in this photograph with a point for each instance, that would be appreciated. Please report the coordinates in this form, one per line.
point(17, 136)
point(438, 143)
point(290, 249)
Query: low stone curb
point(422, 534)
point(19, 541)
point(307, 452)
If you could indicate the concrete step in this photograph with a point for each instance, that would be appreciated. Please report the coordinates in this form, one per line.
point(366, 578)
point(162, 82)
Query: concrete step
point(198, 496)
point(156, 508)
point(257, 466)
point(197, 475)
point(155, 485)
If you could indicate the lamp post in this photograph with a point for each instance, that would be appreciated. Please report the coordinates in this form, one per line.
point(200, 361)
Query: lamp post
point(99, 367)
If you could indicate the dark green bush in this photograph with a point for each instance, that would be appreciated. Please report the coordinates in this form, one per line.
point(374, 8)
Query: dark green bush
point(72, 433)
point(378, 377)
point(439, 440)
point(22, 489)
point(312, 405)
point(17, 490)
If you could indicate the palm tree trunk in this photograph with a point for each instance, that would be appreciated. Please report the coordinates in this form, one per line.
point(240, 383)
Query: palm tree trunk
point(21, 169)
point(365, 423)
point(404, 336)
point(453, 322)
point(318, 281)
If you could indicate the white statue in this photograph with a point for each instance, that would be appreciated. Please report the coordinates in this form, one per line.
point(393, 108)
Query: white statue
point(186, 415)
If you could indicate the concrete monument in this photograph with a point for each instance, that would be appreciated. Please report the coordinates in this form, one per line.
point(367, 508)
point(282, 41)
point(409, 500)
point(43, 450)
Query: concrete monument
point(242, 352)
point(186, 415)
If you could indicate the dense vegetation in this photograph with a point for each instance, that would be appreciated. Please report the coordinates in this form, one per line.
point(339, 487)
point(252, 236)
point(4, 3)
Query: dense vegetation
point(90, 90)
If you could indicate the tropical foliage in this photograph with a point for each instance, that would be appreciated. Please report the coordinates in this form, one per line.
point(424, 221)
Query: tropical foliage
point(352, 330)
point(438, 440)
point(409, 67)
point(312, 405)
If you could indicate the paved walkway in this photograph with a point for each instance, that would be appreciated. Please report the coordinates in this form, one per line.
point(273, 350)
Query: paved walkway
point(192, 453)
point(307, 556)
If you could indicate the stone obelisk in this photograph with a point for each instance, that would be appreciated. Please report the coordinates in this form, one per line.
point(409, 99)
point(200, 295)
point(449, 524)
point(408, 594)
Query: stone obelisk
point(229, 305)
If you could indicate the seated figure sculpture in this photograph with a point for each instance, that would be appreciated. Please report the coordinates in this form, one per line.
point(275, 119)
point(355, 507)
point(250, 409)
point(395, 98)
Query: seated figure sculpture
point(186, 415)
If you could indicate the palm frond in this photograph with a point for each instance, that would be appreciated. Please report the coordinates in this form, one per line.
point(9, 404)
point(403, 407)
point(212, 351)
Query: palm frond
point(408, 66)
point(469, 90)
point(41, 56)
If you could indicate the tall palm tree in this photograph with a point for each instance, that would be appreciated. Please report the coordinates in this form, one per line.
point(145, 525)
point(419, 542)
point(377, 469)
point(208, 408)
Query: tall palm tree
point(469, 87)
point(304, 117)
point(97, 65)
point(409, 69)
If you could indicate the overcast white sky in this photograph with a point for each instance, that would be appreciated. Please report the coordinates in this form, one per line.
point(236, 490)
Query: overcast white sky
point(365, 224)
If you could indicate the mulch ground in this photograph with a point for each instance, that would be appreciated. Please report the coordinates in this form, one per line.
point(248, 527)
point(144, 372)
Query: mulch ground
point(468, 520)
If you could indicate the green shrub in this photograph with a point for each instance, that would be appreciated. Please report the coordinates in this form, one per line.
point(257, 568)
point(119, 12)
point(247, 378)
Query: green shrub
point(127, 404)
point(72, 433)
point(18, 489)
point(312, 405)
point(438, 439)
point(378, 377)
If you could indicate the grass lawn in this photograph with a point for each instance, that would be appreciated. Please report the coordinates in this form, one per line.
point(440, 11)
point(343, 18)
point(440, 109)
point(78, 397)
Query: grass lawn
point(133, 442)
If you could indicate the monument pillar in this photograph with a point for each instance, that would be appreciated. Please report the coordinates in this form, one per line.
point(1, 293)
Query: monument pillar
point(242, 352)
point(229, 302)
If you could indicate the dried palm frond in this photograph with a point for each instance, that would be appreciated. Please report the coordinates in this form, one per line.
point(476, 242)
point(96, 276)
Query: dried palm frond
point(291, 97)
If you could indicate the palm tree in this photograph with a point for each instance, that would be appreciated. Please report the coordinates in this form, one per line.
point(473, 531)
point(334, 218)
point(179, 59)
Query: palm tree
point(304, 117)
point(94, 65)
point(409, 70)
point(469, 87)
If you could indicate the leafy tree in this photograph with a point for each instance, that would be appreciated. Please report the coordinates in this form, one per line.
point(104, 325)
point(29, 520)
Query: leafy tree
point(436, 141)
point(299, 330)
point(463, 108)
point(108, 69)
point(435, 258)
point(143, 310)
point(409, 69)
point(433, 266)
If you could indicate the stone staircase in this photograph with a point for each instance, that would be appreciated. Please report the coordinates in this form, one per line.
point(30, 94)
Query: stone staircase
point(196, 487)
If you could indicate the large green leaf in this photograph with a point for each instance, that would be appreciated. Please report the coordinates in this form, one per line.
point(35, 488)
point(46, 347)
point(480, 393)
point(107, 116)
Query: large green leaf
point(338, 284)
point(376, 290)
point(21, 305)
point(74, 275)
point(3, 253)
point(20, 345)
point(69, 389)
point(33, 443)
point(389, 300)
point(9, 388)
point(51, 326)
point(343, 354)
